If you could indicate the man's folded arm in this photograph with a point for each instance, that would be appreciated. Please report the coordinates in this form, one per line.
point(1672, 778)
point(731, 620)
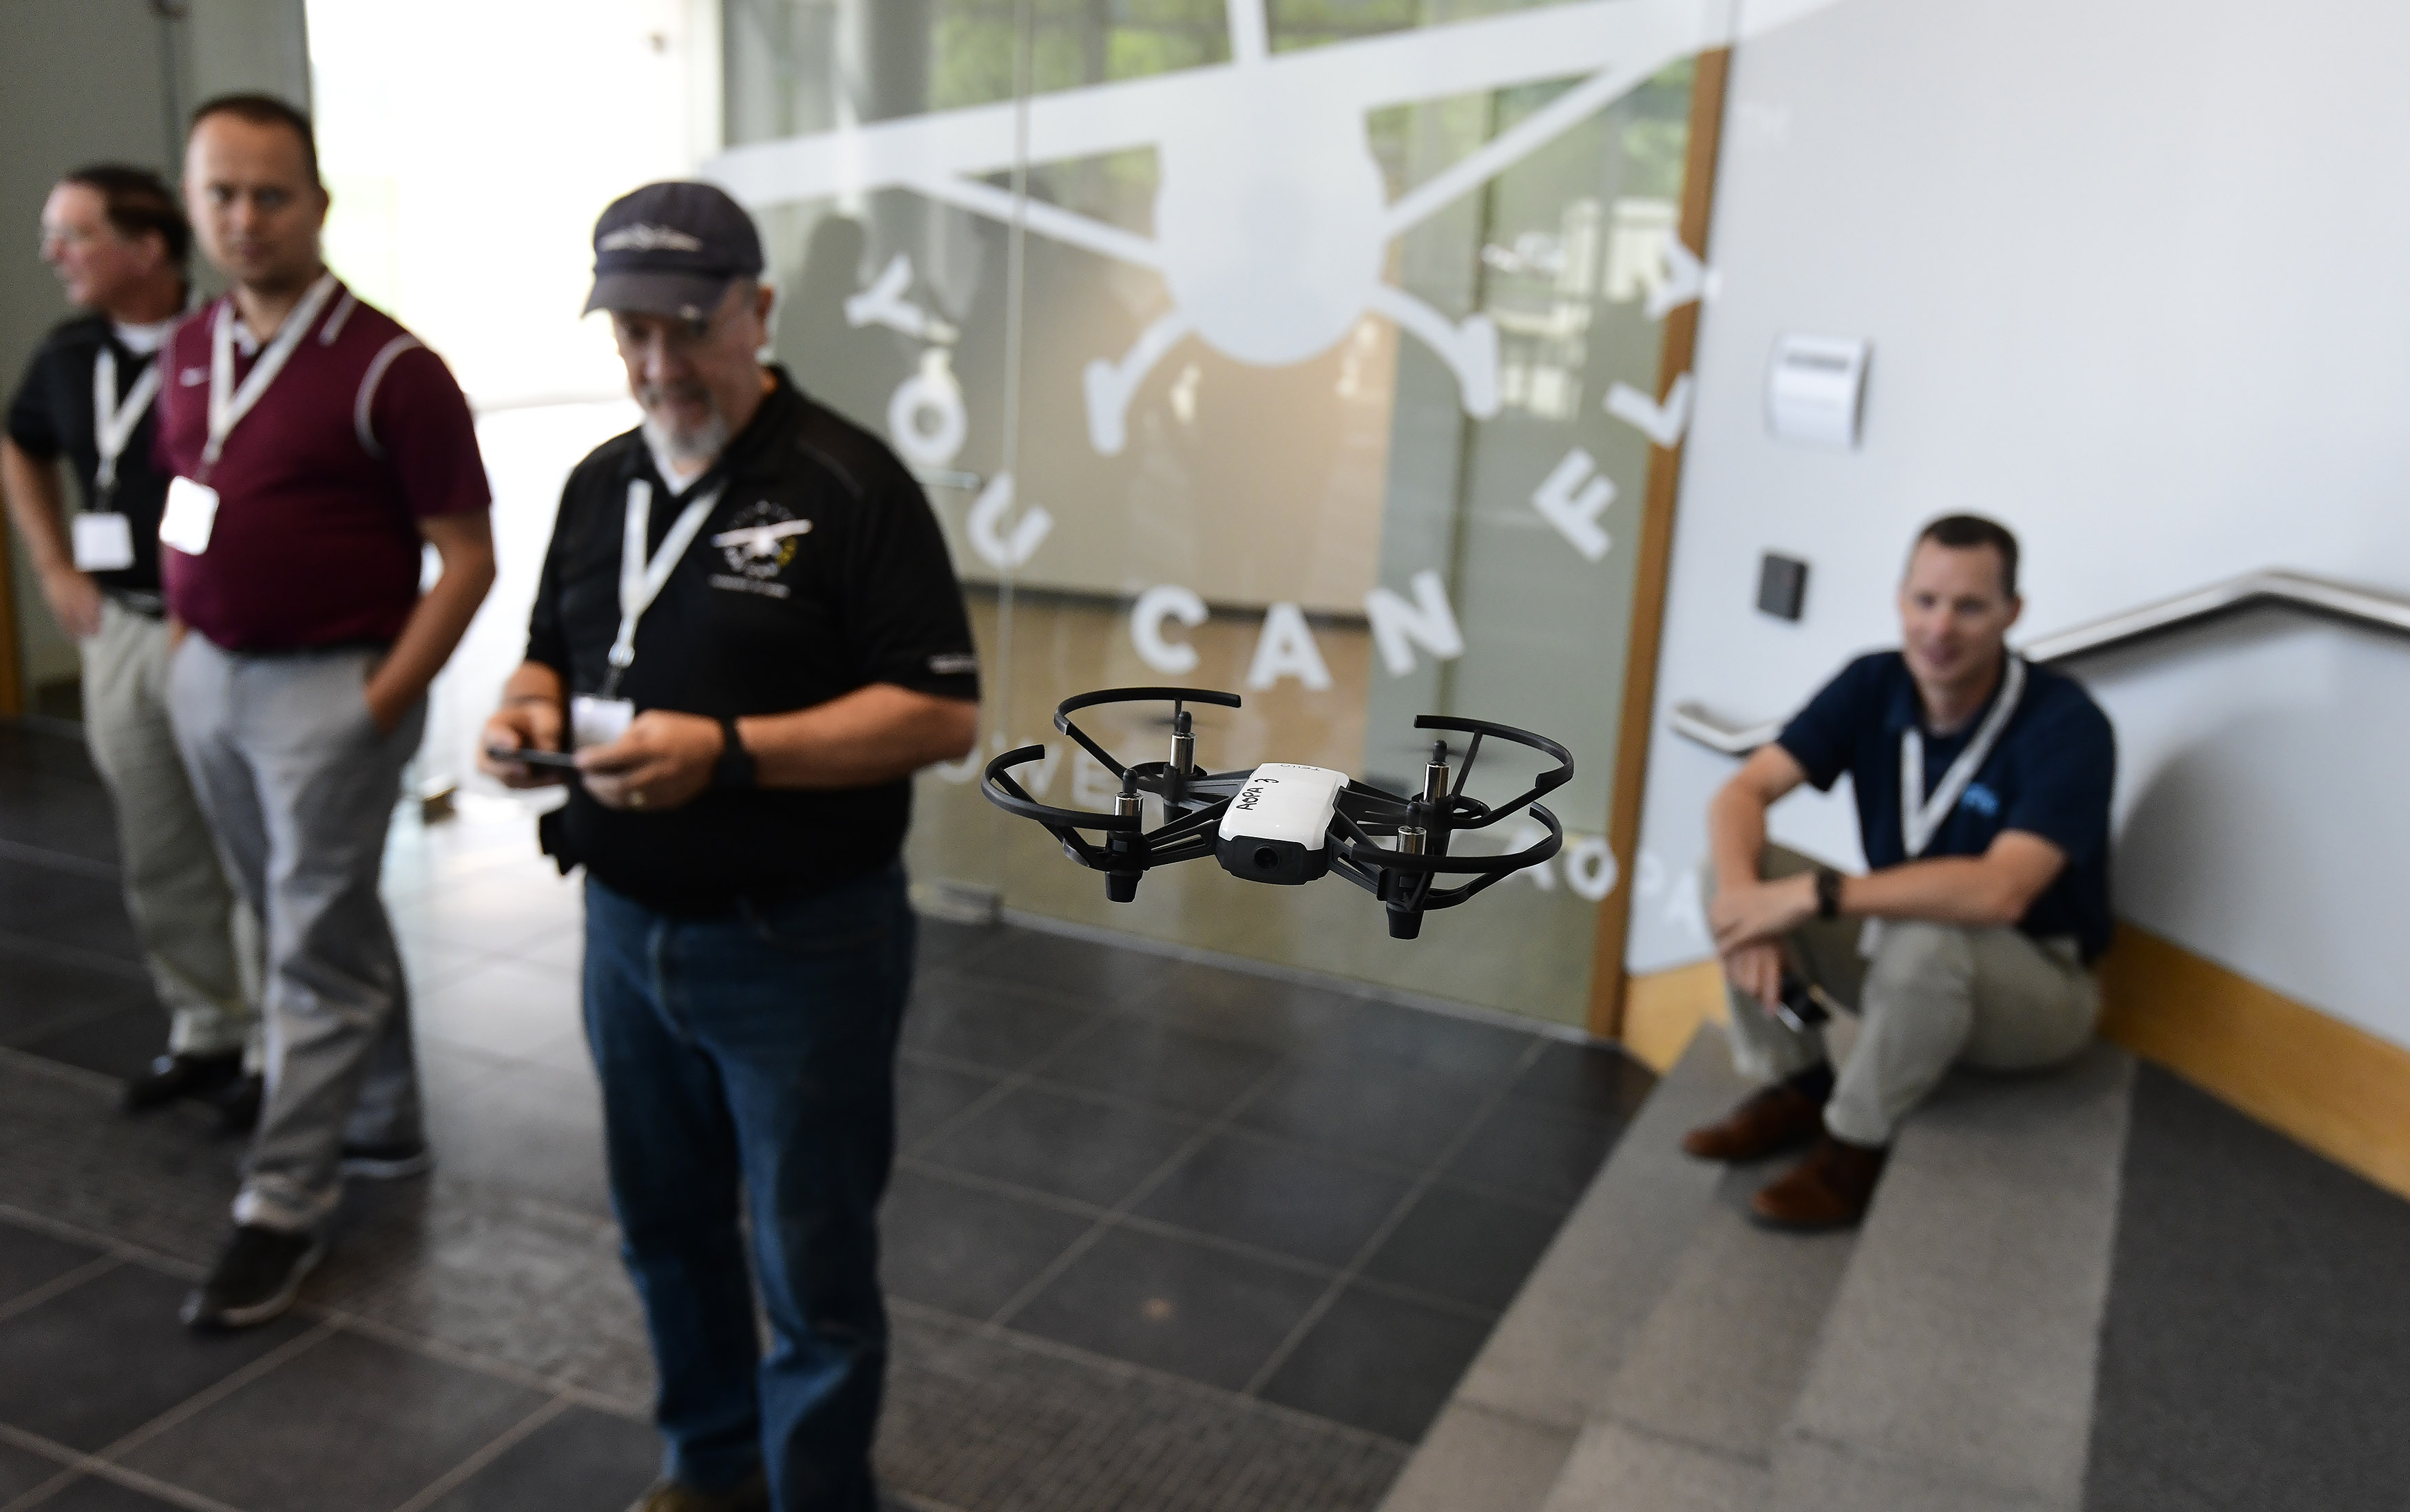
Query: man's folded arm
point(1995, 889)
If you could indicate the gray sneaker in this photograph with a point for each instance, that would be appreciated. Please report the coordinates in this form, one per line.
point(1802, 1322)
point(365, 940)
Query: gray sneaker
point(387, 1162)
point(257, 1276)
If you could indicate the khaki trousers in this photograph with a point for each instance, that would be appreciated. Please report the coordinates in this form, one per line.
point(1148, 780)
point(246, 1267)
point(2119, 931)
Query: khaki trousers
point(199, 940)
point(1929, 998)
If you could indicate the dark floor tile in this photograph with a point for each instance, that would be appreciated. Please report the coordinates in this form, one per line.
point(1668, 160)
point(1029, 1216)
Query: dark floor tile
point(93, 1494)
point(66, 908)
point(1537, 1152)
point(1378, 1362)
point(945, 944)
point(1276, 1197)
point(580, 1461)
point(30, 1259)
point(1185, 1072)
point(1201, 1313)
point(93, 1363)
point(2255, 1347)
point(68, 815)
point(350, 1422)
point(1585, 1078)
point(503, 1006)
point(1061, 1144)
point(1388, 1112)
point(1105, 976)
point(118, 1045)
point(1465, 1246)
point(41, 993)
point(968, 1251)
point(928, 1096)
point(525, 1129)
point(22, 1470)
point(1378, 1033)
point(56, 753)
point(1243, 1008)
point(985, 1022)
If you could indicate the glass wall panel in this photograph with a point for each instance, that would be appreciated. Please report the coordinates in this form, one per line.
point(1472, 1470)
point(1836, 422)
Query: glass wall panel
point(1261, 346)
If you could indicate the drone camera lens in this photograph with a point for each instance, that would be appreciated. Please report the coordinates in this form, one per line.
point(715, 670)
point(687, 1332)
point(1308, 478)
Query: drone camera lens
point(1266, 857)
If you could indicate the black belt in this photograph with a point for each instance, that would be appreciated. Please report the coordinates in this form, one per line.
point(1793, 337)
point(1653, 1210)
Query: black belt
point(148, 605)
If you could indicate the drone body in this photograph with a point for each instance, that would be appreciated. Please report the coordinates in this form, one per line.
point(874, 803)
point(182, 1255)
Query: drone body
point(1288, 825)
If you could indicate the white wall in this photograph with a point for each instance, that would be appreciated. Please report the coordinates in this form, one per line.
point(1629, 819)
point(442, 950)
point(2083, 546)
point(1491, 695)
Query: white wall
point(2135, 278)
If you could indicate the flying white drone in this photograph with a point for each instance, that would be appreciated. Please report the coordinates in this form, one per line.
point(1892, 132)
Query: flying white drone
point(1271, 225)
point(1288, 824)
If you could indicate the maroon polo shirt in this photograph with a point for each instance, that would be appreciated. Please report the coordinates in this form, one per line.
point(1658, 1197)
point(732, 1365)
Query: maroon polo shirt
point(322, 485)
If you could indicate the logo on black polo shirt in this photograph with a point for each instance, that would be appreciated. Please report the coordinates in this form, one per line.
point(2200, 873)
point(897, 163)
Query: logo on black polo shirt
point(760, 544)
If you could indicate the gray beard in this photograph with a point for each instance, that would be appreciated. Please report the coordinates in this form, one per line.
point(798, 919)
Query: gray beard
point(681, 455)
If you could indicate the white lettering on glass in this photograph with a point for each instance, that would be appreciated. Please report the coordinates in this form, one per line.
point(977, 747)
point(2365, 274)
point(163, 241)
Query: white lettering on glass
point(1573, 505)
point(1167, 601)
point(1398, 627)
point(1287, 650)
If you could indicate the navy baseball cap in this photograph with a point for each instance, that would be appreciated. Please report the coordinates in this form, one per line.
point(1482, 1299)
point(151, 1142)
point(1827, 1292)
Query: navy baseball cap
point(671, 249)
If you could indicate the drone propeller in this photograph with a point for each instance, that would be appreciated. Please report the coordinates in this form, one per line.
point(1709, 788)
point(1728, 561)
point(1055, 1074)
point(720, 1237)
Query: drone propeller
point(1354, 818)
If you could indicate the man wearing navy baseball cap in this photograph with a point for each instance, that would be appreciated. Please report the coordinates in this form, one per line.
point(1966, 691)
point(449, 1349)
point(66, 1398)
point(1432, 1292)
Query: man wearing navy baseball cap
point(749, 633)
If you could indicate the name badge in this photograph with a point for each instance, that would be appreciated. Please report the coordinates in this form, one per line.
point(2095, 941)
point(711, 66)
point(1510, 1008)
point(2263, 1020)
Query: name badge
point(103, 542)
point(192, 512)
point(598, 721)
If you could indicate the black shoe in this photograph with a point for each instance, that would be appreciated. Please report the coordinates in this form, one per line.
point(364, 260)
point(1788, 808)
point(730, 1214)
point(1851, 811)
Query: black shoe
point(238, 1105)
point(170, 1077)
point(387, 1162)
point(256, 1277)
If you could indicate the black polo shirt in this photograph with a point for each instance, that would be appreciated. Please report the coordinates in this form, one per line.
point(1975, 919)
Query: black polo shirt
point(866, 595)
point(51, 417)
point(2051, 775)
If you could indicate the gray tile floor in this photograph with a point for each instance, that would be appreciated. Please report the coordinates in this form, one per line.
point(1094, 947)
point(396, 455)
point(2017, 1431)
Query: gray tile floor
point(1160, 1234)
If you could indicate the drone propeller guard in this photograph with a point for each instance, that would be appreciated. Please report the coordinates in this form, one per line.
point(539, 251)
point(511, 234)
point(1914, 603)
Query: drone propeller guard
point(1258, 823)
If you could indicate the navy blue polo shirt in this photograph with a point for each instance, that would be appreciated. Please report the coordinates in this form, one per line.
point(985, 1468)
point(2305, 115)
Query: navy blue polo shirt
point(2051, 775)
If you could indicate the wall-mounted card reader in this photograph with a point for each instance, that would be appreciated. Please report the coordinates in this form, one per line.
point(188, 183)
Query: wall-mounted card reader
point(1815, 388)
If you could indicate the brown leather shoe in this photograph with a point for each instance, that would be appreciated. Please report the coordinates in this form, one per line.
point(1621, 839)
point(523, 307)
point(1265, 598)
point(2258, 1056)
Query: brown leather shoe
point(1830, 1189)
point(1770, 1121)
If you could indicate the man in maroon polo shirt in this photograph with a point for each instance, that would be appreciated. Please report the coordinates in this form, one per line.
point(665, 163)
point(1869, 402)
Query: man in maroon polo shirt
point(314, 445)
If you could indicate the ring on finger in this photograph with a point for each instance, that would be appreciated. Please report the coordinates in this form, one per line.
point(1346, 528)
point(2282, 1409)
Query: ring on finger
point(635, 797)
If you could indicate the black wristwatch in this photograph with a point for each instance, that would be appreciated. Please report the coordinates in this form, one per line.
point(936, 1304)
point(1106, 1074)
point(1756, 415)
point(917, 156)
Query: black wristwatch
point(1828, 892)
point(735, 769)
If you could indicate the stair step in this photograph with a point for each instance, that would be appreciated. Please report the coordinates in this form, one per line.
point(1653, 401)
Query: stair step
point(1957, 1364)
point(1546, 1372)
point(1695, 1414)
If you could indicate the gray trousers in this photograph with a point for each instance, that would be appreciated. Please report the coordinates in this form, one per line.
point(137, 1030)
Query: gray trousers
point(301, 787)
point(1930, 997)
point(198, 939)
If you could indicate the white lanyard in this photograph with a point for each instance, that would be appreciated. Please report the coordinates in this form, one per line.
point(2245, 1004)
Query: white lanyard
point(1918, 821)
point(641, 580)
point(230, 404)
point(113, 423)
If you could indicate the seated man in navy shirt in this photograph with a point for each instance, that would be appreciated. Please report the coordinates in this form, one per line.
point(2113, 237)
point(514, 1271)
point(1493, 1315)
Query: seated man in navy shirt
point(1983, 785)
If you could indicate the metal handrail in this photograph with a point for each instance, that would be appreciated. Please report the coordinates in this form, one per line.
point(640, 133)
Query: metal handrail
point(2368, 607)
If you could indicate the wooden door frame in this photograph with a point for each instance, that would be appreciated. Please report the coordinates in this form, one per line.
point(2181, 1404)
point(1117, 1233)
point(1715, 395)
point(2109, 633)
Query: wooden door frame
point(1637, 726)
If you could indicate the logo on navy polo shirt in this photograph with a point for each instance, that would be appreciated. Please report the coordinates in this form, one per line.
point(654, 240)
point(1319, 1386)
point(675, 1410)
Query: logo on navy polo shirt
point(1982, 799)
point(760, 544)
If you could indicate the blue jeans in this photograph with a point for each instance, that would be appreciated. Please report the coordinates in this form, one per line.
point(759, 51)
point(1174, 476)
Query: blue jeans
point(756, 1051)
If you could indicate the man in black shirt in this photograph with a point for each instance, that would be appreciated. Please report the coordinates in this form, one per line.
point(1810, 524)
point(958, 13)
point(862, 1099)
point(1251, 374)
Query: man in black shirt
point(120, 245)
point(749, 632)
